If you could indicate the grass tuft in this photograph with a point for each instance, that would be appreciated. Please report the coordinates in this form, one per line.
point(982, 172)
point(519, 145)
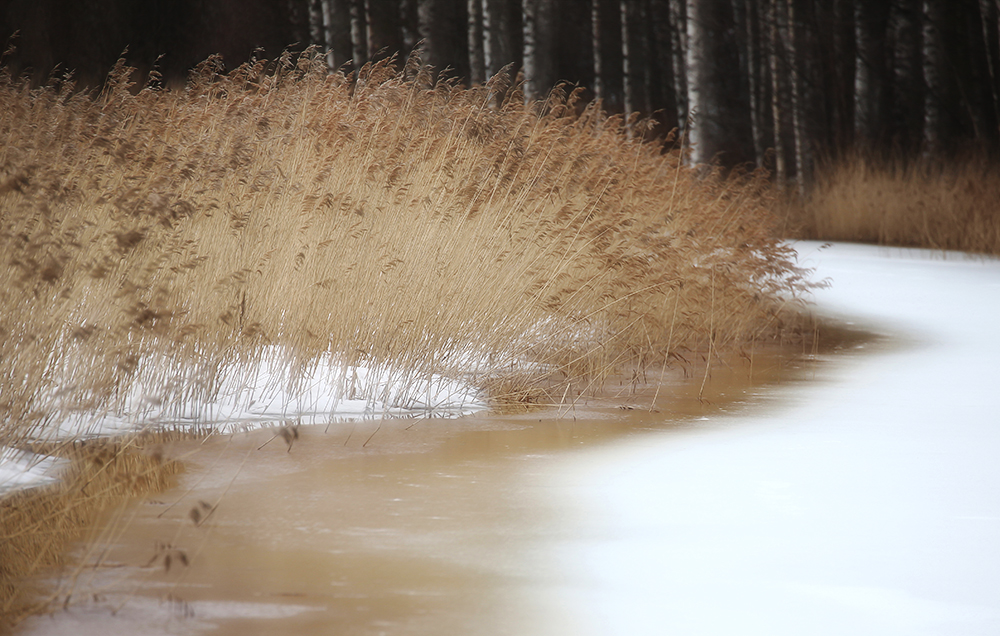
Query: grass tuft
point(37, 524)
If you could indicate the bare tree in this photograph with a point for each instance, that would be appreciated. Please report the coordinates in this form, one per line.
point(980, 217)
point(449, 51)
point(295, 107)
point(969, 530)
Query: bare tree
point(907, 80)
point(499, 47)
point(537, 49)
point(777, 17)
point(600, 93)
point(869, 71)
point(359, 32)
point(704, 91)
point(476, 44)
point(989, 16)
point(934, 77)
point(678, 48)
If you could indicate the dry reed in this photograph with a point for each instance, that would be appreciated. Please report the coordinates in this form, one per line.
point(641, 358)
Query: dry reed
point(946, 206)
point(171, 239)
point(36, 525)
point(174, 237)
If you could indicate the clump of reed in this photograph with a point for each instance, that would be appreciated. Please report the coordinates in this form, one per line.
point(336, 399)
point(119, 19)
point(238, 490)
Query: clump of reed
point(953, 205)
point(36, 525)
point(173, 238)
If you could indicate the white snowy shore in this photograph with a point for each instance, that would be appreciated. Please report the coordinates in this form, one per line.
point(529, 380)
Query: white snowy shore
point(259, 398)
point(866, 502)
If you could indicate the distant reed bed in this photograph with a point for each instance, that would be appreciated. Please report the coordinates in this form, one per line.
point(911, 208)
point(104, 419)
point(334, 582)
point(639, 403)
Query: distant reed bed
point(175, 237)
point(948, 205)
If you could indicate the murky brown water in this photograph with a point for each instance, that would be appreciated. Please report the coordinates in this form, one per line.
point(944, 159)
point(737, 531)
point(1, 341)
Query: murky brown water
point(396, 527)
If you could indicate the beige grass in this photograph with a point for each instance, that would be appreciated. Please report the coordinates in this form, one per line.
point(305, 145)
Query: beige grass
point(36, 525)
point(385, 221)
point(948, 206)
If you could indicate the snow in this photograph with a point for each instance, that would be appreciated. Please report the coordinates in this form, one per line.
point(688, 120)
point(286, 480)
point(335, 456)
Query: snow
point(259, 397)
point(263, 396)
point(866, 501)
point(21, 469)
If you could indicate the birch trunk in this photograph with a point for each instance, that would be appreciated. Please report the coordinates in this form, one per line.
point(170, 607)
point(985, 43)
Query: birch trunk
point(474, 37)
point(755, 86)
point(498, 41)
point(596, 42)
point(933, 71)
point(704, 91)
point(798, 60)
point(359, 33)
point(537, 49)
point(678, 47)
point(907, 87)
point(777, 111)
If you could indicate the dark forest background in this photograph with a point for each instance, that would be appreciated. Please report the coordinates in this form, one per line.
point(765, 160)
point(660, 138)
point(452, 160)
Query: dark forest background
point(783, 84)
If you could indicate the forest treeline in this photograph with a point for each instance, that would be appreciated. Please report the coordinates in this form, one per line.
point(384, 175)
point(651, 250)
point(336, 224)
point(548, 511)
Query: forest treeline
point(779, 83)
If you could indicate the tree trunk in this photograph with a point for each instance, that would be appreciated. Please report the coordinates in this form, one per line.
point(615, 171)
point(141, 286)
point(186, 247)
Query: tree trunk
point(385, 30)
point(934, 78)
point(662, 98)
point(869, 71)
point(777, 107)
point(678, 48)
point(989, 14)
point(842, 80)
point(327, 16)
point(409, 21)
point(803, 154)
point(907, 85)
point(635, 56)
point(442, 26)
point(596, 43)
point(359, 33)
point(298, 19)
point(715, 132)
point(629, 66)
point(319, 35)
point(498, 41)
point(537, 49)
point(755, 80)
point(474, 35)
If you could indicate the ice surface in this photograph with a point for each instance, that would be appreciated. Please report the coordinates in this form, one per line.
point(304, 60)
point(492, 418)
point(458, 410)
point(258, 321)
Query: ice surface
point(866, 502)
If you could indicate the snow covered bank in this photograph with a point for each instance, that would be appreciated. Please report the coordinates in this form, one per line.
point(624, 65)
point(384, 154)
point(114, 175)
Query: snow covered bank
point(265, 395)
point(21, 469)
point(262, 397)
point(867, 502)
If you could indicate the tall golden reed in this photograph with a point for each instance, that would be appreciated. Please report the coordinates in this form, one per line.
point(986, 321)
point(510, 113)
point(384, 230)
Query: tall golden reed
point(175, 237)
point(952, 205)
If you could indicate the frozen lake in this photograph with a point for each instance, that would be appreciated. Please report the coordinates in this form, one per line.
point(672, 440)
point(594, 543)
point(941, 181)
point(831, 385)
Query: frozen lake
point(866, 502)
point(862, 497)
